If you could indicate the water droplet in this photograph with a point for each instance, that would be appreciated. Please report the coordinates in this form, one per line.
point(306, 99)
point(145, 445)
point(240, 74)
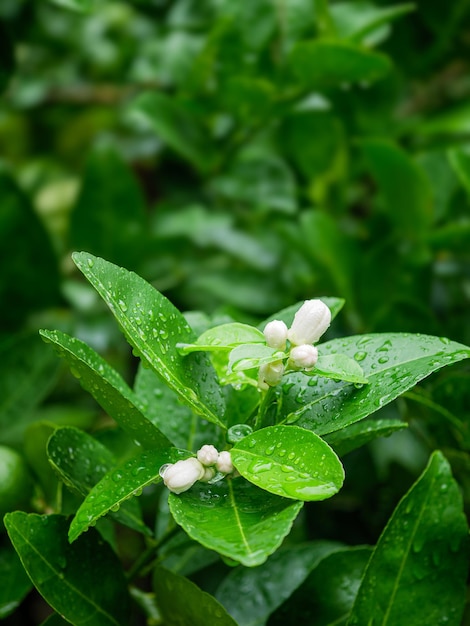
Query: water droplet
point(90, 262)
point(387, 344)
point(115, 508)
point(360, 356)
point(269, 450)
point(117, 476)
point(383, 359)
point(237, 432)
point(313, 381)
point(122, 306)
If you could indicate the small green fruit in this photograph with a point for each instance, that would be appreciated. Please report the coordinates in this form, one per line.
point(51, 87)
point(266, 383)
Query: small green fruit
point(16, 487)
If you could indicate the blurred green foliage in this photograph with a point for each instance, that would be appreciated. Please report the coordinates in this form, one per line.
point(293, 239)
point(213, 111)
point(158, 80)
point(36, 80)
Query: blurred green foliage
point(241, 156)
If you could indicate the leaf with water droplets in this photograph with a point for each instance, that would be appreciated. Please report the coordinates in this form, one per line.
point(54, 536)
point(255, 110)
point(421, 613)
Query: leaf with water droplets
point(120, 484)
point(235, 518)
point(198, 609)
point(252, 355)
point(392, 364)
point(419, 567)
point(81, 462)
point(224, 337)
point(162, 405)
point(83, 582)
point(153, 326)
point(357, 435)
point(271, 583)
point(289, 461)
point(339, 367)
point(108, 389)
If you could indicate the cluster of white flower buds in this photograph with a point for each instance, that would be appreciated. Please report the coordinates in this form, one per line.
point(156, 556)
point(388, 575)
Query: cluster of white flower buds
point(210, 463)
point(310, 322)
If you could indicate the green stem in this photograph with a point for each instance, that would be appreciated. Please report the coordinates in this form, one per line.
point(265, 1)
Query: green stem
point(268, 399)
point(149, 554)
point(454, 421)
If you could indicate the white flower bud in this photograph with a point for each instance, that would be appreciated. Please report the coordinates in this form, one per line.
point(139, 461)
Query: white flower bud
point(224, 462)
point(270, 374)
point(207, 455)
point(209, 473)
point(275, 333)
point(303, 357)
point(310, 322)
point(182, 475)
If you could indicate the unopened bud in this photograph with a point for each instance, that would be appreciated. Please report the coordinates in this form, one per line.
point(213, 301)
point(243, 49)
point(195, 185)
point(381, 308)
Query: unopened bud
point(209, 473)
point(310, 322)
point(303, 357)
point(182, 475)
point(275, 333)
point(270, 374)
point(224, 462)
point(207, 455)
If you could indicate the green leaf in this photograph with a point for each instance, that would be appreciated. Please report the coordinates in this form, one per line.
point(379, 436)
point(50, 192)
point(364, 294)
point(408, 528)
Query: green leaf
point(83, 582)
point(162, 406)
point(357, 435)
point(392, 363)
point(289, 461)
point(177, 125)
point(108, 389)
point(403, 184)
point(81, 462)
point(460, 160)
point(34, 448)
point(246, 357)
point(198, 608)
point(235, 518)
point(224, 337)
point(14, 583)
point(356, 20)
point(109, 217)
point(28, 370)
point(419, 566)
point(153, 326)
point(328, 593)
point(339, 367)
point(271, 583)
point(120, 484)
point(322, 63)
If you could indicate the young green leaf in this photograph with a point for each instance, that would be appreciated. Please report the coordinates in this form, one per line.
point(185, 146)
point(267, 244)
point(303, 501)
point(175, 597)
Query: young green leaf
point(248, 356)
point(289, 461)
point(339, 367)
point(108, 389)
point(235, 518)
point(153, 326)
point(83, 582)
point(224, 337)
point(357, 20)
point(419, 566)
point(271, 583)
point(392, 364)
point(81, 462)
point(119, 485)
point(198, 609)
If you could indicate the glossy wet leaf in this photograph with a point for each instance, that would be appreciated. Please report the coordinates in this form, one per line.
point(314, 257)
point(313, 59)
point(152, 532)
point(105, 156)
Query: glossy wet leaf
point(81, 462)
point(326, 63)
point(326, 596)
point(83, 582)
point(120, 484)
point(271, 583)
point(392, 364)
point(420, 564)
point(153, 326)
point(339, 367)
point(14, 582)
point(289, 461)
point(357, 435)
point(247, 356)
point(224, 337)
point(108, 389)
point(198, 608)
point(163, 407)
point(235, 518)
